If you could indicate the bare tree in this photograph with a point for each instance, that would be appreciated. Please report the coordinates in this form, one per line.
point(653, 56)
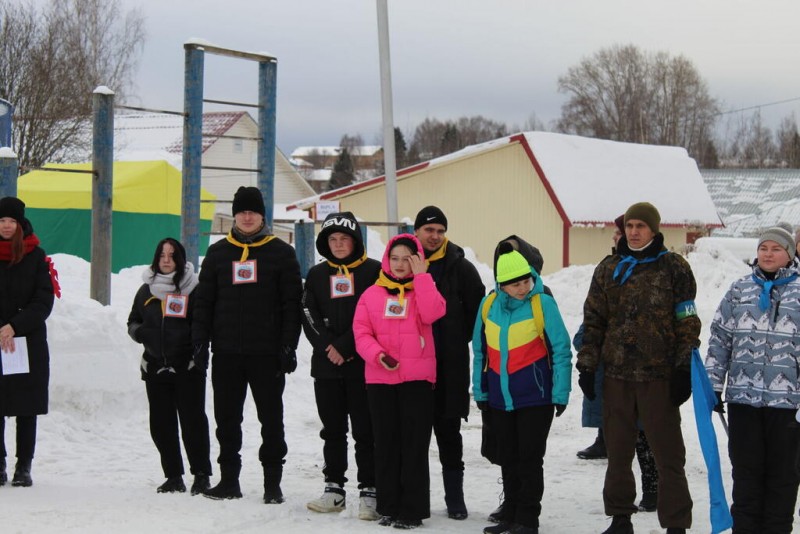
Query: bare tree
point(51, 59)
point(624, 94)
point(751, 145)
point(788, 141)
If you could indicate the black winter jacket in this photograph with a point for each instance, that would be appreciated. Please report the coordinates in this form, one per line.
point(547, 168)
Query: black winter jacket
point(167, 341)
point(26, 300)
point(254, 319)
point(329, 321)
point(461, 286)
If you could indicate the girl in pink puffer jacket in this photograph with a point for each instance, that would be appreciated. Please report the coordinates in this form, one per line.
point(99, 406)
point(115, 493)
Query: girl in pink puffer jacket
point(393, 333)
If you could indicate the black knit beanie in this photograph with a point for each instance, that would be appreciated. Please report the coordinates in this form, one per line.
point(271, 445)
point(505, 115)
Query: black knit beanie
point(248, 199)
point(12, 207)
point(430, 215)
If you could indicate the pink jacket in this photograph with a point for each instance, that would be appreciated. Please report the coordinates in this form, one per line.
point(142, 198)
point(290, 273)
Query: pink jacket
point(409, 340)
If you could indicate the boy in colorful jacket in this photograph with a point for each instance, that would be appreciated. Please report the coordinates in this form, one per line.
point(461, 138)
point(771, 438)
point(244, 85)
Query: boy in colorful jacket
point(521, 372)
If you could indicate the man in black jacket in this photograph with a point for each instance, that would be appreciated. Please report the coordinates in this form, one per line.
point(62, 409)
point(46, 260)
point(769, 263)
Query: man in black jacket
point(458, 281)
point(329, 302)
point(247, 305)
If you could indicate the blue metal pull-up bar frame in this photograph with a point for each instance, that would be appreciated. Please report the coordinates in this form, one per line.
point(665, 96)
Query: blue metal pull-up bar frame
point(193, 136)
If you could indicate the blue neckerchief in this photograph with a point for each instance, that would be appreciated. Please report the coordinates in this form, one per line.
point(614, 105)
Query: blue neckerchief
point(766, 288)
point(633, 263)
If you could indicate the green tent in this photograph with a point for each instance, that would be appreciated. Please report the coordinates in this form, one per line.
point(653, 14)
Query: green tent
point(146, 208)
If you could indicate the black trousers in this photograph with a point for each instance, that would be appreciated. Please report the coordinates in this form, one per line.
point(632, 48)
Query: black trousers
point(26, 436)
point(762, 445)
point(338, 399)
point(522, 442)
point(230, 376)
point(448, 439)
point(402, 420)
point(182, 397)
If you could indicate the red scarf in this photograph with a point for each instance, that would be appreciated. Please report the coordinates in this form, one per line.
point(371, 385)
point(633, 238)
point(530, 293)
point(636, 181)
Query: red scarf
point(29, 243)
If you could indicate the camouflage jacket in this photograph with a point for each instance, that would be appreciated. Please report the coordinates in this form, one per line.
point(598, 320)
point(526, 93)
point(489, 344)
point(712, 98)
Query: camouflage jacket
point(645, 327)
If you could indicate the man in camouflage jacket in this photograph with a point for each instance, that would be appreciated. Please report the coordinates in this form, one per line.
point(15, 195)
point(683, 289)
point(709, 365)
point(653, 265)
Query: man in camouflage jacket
point(640, 321)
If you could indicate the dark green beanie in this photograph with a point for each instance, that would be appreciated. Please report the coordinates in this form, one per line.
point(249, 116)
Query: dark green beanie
point(644, 211)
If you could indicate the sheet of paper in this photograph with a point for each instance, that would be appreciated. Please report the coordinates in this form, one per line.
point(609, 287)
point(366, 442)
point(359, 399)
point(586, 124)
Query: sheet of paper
point(15, 363)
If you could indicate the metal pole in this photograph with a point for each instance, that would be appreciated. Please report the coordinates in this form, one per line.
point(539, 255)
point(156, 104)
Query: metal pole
point(192, 152)
point(9, 171)
point(102, 194)
point(304, 245)
point(389, 158)
point(267, 106)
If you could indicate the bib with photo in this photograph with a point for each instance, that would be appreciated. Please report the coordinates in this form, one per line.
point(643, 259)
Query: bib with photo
point(342, 286)
point(395, 310)
point(176, 305)
point(244, 272)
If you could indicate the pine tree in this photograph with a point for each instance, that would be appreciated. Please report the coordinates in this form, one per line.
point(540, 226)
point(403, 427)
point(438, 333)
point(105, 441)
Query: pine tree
point(342, 174)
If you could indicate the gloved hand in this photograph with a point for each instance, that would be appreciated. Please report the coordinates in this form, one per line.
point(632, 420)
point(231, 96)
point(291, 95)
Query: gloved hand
point(200, 357)
point(680, 386)
point(482, 405)
point(720, 406)
point(560, 408)
point(586, 383)
point(288, 360)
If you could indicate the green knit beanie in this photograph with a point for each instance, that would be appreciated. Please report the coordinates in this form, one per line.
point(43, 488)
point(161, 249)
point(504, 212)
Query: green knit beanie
point(644, 211)
point(512, 267)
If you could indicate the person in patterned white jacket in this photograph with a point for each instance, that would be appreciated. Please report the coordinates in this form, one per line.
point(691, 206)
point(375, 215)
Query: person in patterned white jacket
point(753, 352)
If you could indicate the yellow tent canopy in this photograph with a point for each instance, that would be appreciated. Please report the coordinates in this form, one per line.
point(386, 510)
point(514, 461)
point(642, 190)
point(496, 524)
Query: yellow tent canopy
point(146, 206)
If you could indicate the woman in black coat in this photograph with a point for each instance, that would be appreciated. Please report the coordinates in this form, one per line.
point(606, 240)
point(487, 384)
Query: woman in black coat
point(26, 300)
point(160, 319)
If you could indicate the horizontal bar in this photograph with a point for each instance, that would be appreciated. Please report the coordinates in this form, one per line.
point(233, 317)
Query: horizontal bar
point(231, 103)
point(218, 50)
point(228, 168)
point(223, 136)
point(165, 111)
point(55, 169)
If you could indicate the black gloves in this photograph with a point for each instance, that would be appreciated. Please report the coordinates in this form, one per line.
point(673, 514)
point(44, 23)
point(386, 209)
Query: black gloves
point(720, 406)
point(288, 360)
point(482, 405)
point(200, 357)
point(586, 382)
point(680, 386)
point(560, 409)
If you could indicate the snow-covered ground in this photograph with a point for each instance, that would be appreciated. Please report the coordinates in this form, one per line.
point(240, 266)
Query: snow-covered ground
point(96, 468)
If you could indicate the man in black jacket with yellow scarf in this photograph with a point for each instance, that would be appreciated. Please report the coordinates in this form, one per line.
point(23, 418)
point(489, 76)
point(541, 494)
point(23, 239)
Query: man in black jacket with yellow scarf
point(458, 281)
point(247, 305)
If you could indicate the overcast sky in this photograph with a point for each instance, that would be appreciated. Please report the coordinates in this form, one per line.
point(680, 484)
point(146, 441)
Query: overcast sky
point(451, 58)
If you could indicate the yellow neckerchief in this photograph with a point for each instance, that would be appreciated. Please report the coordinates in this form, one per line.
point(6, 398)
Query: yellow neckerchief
point(439, 254)
point(163, 304)
point(388, 283)
point(344, 268)
point(246, 246)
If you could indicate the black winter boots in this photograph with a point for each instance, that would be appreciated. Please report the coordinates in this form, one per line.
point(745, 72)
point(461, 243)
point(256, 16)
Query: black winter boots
point(22, 474)
point(228, 486)
point(172, 485)
point(272, 484)
point(201, 484)
point(621, 524)
point(595, 451)
point(454, 494)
